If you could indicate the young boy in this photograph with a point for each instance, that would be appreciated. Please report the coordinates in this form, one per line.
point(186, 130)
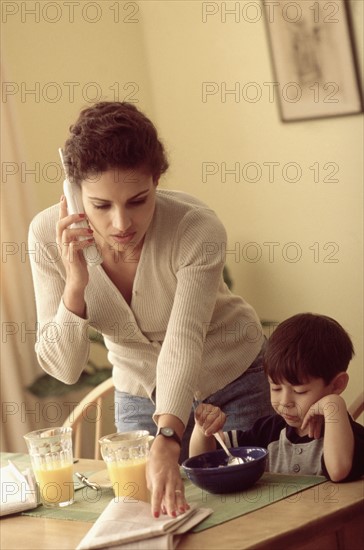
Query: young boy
point(306, 359)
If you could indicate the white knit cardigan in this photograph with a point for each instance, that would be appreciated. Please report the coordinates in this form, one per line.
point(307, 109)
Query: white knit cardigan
point(184, 333)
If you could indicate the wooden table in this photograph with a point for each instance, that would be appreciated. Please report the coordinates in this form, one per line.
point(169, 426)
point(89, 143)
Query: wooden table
point(326, 517)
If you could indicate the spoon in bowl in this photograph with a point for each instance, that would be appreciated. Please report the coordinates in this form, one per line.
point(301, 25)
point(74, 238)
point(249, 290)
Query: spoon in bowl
point(232, 460)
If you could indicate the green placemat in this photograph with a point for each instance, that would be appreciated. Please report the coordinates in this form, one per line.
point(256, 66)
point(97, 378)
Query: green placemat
point(270, 488)
point(89, 504)
point(21, 460)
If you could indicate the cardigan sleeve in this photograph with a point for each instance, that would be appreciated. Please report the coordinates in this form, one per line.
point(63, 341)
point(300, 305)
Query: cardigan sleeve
point(62, 345)
point(198, 260)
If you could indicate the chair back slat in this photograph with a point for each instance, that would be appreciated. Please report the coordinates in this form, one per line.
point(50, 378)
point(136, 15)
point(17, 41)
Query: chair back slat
point(357, 406)
point(80, 415)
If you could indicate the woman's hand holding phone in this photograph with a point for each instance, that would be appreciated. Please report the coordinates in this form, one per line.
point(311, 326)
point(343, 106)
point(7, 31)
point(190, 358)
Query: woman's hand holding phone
point(71, 246)
point(73, 195)
point(74, 237)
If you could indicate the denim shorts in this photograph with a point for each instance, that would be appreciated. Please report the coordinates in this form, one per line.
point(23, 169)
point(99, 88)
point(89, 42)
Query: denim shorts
point(243, 401)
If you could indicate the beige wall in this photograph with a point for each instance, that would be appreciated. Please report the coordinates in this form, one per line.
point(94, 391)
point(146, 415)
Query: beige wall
point(160, 54)
point(323, 220)
point(55, 69)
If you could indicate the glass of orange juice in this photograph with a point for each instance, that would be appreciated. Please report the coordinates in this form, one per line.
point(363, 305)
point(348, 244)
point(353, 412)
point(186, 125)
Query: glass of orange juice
point(51, 456)
point(126, 455)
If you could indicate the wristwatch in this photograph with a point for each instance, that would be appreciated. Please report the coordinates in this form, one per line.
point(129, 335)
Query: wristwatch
point(169, 433)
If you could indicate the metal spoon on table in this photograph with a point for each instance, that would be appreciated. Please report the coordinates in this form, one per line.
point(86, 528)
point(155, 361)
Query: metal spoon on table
point(86, 482)
point(232, 460)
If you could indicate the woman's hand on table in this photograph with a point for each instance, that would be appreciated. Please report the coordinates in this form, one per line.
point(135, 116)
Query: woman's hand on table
point(164, 479)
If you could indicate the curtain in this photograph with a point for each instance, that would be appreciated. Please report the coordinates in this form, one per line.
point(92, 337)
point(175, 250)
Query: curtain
point(19, 367)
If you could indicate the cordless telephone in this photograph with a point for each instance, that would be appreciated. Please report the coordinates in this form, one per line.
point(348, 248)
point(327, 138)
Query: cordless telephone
point(73, 195)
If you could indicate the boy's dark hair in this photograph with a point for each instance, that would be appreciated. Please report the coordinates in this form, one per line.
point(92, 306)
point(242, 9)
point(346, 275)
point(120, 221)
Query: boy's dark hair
point(307, 345)
point(113, 134)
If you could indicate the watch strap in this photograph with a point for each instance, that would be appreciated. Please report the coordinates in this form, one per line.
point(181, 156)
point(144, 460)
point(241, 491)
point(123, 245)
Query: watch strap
point(169, 433)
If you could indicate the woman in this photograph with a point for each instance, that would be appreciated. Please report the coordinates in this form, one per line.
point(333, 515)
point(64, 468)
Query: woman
point(173, 330)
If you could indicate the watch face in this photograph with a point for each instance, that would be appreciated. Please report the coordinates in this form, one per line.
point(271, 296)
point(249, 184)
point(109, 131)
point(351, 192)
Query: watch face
point(170, 434)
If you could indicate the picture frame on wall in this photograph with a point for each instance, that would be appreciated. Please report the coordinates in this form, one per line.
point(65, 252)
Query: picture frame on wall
point(314, 59)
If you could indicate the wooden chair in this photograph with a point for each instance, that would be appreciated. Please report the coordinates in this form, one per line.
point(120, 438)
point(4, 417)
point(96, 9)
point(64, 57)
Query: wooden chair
point(91, 410)
point(357, 406)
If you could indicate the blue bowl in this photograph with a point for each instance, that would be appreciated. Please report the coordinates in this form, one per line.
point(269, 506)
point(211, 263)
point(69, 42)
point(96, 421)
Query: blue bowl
point(210, 472)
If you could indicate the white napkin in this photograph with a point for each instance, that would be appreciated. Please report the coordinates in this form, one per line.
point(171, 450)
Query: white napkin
point(18, 490)
point(130, 526)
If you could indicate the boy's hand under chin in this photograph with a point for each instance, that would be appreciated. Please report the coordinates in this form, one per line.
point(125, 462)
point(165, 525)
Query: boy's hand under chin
point(323, 411)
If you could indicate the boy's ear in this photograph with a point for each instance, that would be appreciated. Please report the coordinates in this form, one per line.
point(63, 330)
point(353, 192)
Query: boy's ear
point(340, 382)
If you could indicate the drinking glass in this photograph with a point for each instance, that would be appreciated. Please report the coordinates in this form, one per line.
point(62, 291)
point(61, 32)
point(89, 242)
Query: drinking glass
point(51, 457)
point(125, 455)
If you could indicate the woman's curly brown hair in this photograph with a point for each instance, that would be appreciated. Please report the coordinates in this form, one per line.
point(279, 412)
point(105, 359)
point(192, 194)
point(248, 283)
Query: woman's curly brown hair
point(113, 134)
